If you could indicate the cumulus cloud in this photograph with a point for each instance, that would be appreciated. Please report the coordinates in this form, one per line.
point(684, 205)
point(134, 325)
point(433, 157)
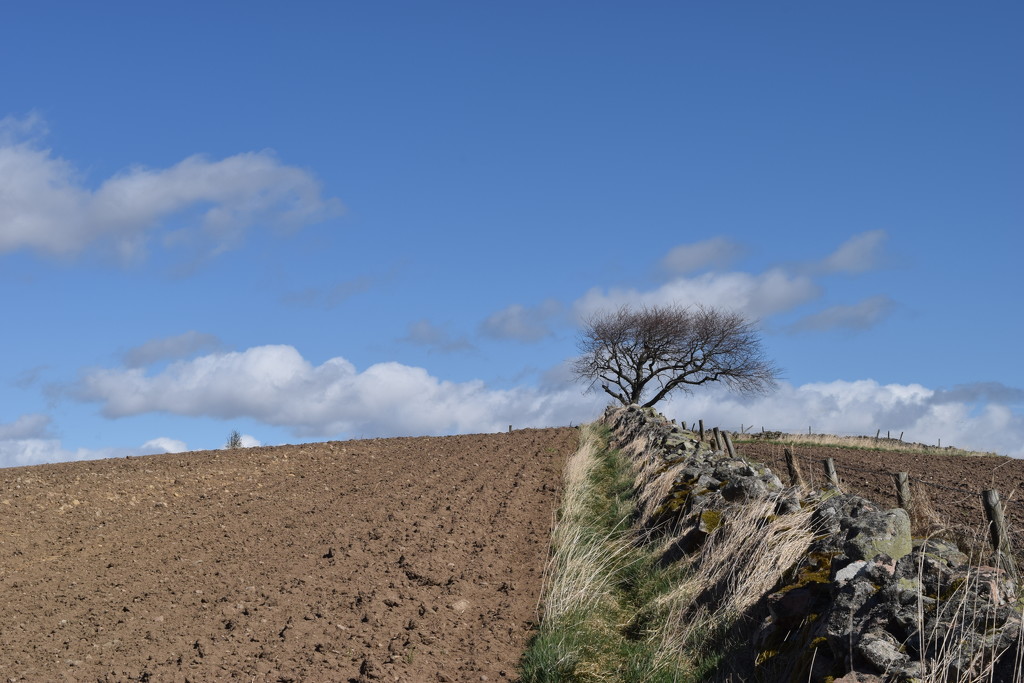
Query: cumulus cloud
point(46, 206)
point(436, 337)
point(860, 316)
point(277, 386)
point(860, 408)
point(755, 296)
point(170, 348)
point(521, 323)
point(709, 254)
point(858, 254)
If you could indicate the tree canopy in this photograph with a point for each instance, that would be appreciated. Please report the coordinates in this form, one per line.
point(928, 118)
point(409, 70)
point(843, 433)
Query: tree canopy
point(641, 355)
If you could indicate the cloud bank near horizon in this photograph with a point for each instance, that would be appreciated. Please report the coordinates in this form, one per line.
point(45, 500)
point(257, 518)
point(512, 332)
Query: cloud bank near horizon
point(28, 441)
point(277, 386)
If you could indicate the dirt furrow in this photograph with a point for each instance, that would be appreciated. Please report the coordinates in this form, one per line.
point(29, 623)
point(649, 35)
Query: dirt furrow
point(391, 559)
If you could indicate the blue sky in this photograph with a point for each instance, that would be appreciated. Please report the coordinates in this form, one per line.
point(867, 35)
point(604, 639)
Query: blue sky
point(340, 220)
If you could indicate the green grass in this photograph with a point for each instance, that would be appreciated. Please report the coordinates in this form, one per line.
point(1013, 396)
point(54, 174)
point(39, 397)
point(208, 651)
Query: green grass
point(602, 616)
point(613, 612)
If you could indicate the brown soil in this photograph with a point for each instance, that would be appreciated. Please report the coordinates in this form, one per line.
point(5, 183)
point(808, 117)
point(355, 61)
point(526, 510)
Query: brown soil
point(414, 559)
point(952, 492)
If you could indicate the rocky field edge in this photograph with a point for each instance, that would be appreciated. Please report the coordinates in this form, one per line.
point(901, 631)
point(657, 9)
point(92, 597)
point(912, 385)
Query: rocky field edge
point(864, 601)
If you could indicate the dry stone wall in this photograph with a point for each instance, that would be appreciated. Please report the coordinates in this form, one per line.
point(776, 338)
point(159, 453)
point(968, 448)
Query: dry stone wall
point(865, 601)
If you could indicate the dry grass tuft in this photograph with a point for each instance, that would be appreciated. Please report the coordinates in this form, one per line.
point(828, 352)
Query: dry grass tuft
point(721, 585)
point(961, 611)
point(654, 490)
point(924, 520)
point(865, 442)
point(582, 571)
point(584, 560)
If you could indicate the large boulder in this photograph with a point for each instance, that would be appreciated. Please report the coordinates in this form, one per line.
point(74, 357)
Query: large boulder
point(879, 533)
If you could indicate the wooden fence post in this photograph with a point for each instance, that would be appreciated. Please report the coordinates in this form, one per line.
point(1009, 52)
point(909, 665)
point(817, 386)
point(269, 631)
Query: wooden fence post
point(715, 432)
point(830, 472)
point(510, 429)
point(997, 527)
point(902, 480)
point(728, 444)
point(683, 425)
point(795, 477)
point(701, 430)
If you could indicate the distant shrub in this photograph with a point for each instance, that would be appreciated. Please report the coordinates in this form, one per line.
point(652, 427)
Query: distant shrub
point(234, 440)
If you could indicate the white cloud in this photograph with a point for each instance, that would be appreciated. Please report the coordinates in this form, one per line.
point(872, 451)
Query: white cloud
point(250, 441)
point(276, 385)
point(45, 206)
point(859, 253)
point(521, 323)
point(860, 408)
point(168, 348)
point(755, 296)
point(163, 444)
point(31, 426)
point(709, 254)
point(859, 316)
point(425, 333)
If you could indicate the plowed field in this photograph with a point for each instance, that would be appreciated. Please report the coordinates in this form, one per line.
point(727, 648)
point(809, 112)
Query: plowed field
point(414, 559)
point(950, 485)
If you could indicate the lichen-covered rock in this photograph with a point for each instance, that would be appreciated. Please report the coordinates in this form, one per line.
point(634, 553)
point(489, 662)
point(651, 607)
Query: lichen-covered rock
point(879, 533)
point(858, 677)
point(882, 651)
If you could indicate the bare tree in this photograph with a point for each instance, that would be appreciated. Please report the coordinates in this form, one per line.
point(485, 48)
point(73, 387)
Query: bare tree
point(652, 351)
point(234, 440)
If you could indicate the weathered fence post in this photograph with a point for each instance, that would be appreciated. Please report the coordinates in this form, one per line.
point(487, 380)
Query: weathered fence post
point(683, 425)
point(510, 429)
point(997, 528)
point(830, 472)
point(795, 478)
point(902, 480)
point(701, 430)
point(715, 432)
point(728, 444)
